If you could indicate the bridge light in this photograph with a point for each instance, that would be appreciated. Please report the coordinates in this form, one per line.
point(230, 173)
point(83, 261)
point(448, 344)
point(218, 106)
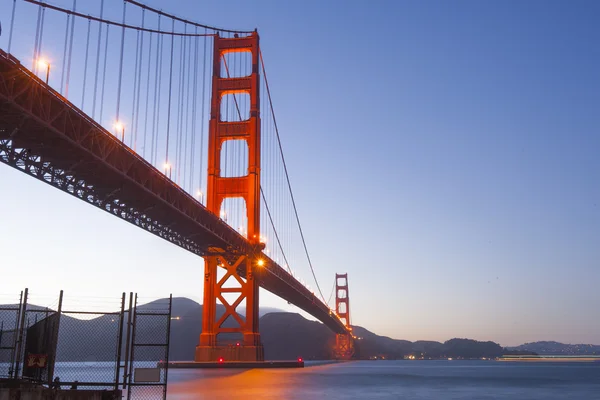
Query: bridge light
point(120, 128)
point(223, 214)
point(167, 167)
point(44, 65)
point(221, 360)
point(260, 262)
point(300, 359)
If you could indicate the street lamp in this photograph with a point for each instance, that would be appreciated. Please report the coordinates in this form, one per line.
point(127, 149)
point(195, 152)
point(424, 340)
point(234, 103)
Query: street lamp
point(168, 169)
point(119, 126)
point(44, 64)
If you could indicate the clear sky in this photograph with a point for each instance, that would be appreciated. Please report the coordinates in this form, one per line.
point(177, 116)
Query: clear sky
point(445, 154)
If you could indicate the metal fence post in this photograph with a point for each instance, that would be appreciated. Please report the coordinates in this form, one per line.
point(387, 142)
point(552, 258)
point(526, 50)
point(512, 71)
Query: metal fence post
point(120, 341)
point(20, 328)
point(168, 346)
point(52, 362)
point(131, 356)
point(11, 369)
point(125, 367)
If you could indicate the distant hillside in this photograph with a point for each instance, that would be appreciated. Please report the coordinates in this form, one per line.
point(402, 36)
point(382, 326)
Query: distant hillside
point(284, 335)
point(556, 348)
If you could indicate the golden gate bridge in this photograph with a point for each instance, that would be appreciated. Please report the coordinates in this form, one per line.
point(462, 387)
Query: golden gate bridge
point(167, 124)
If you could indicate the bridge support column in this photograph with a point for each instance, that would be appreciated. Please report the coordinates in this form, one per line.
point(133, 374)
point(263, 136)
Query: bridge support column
point(344, 346)
point(230, 322)
point(233, 336)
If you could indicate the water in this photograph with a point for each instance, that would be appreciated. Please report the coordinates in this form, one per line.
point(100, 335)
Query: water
point(414, 380)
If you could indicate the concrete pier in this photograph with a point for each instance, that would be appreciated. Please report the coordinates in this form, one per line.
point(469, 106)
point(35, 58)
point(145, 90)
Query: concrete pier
point(234, 364)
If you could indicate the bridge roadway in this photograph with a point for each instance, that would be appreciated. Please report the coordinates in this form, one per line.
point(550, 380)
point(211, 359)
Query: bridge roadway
point(47, 137)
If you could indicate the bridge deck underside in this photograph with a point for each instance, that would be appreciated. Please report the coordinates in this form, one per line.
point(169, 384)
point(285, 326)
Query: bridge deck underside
point(45, 136)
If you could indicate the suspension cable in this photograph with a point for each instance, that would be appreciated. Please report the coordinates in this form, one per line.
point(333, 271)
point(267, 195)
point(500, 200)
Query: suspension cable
point(97, 60)
point(104, 73)
point(70, 51)
point(121, 25)
point(62, 76)
point(193, 133)
point(202, 107)
point(139, 73)
point(167, 166)
point(147, 95)
point(159, 57)
point(287, 177)
point(287, 264)
point(12, 22)
point(261, 189)
point(331, 294)
point(39, 49)
point(85, 68)
point(37, 38)
point(159, 12)
point(121, 62)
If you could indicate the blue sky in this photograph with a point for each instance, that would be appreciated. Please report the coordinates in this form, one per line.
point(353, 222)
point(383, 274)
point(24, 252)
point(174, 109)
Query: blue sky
point(444, 154)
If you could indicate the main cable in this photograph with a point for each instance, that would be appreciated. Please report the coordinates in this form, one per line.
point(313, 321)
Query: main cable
point(287, 176)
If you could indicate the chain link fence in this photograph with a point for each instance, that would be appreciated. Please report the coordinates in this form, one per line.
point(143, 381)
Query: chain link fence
point(10, 309)
point(83, 343)
point(149, 348)
point(89, 342)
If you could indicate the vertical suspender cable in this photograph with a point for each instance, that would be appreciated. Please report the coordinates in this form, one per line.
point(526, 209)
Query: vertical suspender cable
point(194, 94)
point(39, 49)
point(139, 73)
point(203, 92)
point(187, 112)
point(178, 141)
point(64, 63)
point(169, 106)
point(159, 95)
point(70, 51)
point(37, 38)
point(87, 48)
point(147, 95)
point(121, 62)
point(288, 179)
point(135, 85)
point(156, 89)
point(12, 24)
point(104, 72)
point(97, 59)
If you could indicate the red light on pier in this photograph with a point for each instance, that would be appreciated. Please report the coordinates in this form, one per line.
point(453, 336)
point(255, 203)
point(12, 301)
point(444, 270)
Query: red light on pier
point(221, 360)
point(300, 359)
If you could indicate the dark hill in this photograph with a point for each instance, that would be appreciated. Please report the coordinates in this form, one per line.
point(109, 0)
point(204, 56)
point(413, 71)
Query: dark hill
point(556, 348)
point(284, 335)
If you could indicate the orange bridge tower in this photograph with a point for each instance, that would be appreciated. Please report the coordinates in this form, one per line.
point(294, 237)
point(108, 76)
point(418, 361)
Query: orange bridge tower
point(344, 342)
point(239, 338)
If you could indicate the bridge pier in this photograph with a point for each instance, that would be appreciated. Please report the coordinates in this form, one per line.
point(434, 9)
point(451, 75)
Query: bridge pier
point(344, 346)
point(249, 348)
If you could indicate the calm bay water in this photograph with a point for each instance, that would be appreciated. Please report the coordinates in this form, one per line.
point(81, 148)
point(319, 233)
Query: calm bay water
point(413, 380)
